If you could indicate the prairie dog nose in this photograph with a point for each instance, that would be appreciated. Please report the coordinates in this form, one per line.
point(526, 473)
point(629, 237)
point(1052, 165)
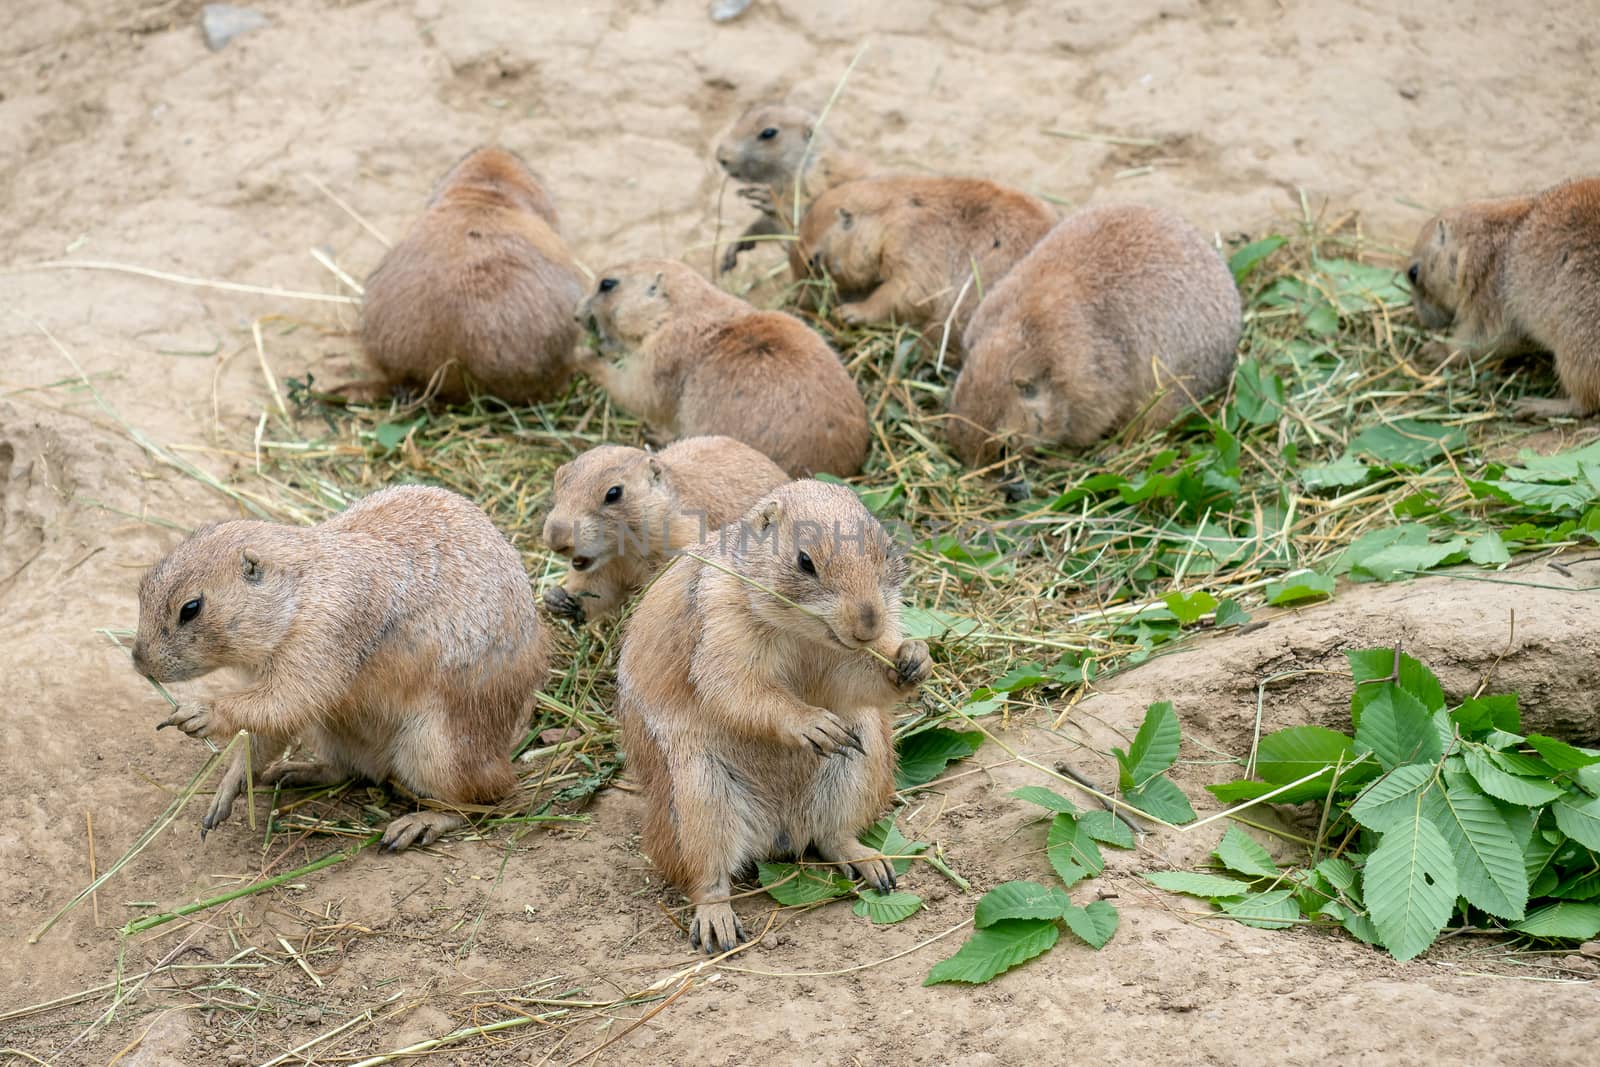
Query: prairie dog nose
point(558, 535)
point(868, 624)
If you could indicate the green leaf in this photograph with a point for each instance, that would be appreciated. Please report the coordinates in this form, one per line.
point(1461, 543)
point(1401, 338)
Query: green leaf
point(1565, 919)
point(994, 950)
point(1489, 551)
point(1238, 851)
point(1071, 851)
point(1161, 798)
point(1307, 586)
point(1106, 828)
point(1584, 887)
point(886, 838)
point(1521, 763)
point(1339, 872)
point(1094, 923)
point(1020, 900)
point(927, 623)
point(1229, 613)
point(1025, 676)
point(1489, 870)
point(1248, 257)
point(390, 435)
point(1402, 561)
point(1560, 755)
point(1258, 397)
point(1154, 748)
point(809, 886)
point(1045, 798)
point(1393, 800)
point(1188, 608)
point(1273, 910)
point(1397, 728)
point(1409, 886)
point(1287, 755)
point(1369, 665)
point(1579, 818)
point(923, 756)
point(886, 908)
point(1243, 789)
point(1513, 789)
point(1406, 442)
point(1196, 884)
point(1343, 473)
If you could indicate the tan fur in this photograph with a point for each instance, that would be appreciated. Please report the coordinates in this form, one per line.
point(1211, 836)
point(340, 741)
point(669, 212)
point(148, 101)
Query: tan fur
point(783, 172)
point(1122, 309)
point(1517, 275)
point(756, 728)
point(697, 360)
point(397, 639)
point(484, 280)
point(662, 502)
point(902, 250)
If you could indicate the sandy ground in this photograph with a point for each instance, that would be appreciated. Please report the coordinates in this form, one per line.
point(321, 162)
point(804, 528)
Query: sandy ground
point(122, 138)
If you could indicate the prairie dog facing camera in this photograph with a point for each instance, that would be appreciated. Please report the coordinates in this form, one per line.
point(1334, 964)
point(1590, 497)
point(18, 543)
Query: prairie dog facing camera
point(696, 361)
point(1121, 312)
point(619, 512)
point(1521, 274)
point(482, 287)
point(754, 714)
point(399, 638)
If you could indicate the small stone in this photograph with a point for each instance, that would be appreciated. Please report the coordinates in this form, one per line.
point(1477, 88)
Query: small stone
point(221, 23)
point(727, 10)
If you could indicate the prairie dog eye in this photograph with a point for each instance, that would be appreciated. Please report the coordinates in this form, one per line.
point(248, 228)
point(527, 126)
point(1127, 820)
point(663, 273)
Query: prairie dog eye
point(613, 494)
point(1411, 272)
point(806, 565)
point(769, 133)
point(188, 612)
point(1028, 389)
point(607, 284)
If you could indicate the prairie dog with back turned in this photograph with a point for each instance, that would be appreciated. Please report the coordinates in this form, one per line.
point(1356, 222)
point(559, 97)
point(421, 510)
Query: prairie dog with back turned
point(753, 712)
point(397, 639)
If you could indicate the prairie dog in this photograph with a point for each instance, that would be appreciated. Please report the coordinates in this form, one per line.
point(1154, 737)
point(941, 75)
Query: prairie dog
point(1123, 311)
point(757, 728)
point(620, 511)
point(699, 361)
point(1518, 275)
point(397, 639)
point(786, 160)
point(905, 250)
point(482, 287)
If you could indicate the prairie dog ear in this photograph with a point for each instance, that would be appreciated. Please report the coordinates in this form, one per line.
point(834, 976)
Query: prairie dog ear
point(655, 286)
point(1441, 233)
point(768, 516)
point(657, 472)
point(846, 220)
point(809, 132)
point(250, 566)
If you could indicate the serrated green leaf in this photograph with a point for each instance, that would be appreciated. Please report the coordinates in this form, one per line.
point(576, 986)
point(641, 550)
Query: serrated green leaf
point(390, 435)
point(1489, 551)
point(1244, 789)
point(1094, 923)
point(927, 623)
point(1583, 887)
point(1560, 755)
point(1247, 257)
point(1339, 872)
point(1406, 442)
point(1071, 851)
point(1489, 871)
point(1410, 886)
point(923, 756)
point(1579, 818)
point(1240, 852)
point(1343, 473)
point(995, 950)
point(808, 886)
point(1573, 919)
point(1163, 799)
point(1106, 828)
point(1360, 926)
point(1273, 910)
point(1398, 728)
point(1188, 608)
point(886, 838)
point(1229, 613)
point(1045, 798)
point(1301, 587)
point(1393, 799)
point(1511, 788)
point(1154, 748)
point(887, 908)
point(1402, 561)
point(1197, 884)
point(1520, 763)
point(1284, 756)
point(1369, 665)
point(1020, 900)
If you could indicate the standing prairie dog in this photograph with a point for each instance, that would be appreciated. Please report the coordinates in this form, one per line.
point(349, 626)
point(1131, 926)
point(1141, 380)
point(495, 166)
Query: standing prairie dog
point(482, 288)
point(1121, 312)
point(397, 639)
point(916, 250)
point(620, 511)
point(698, 361)
point(759, 724)
point(1518, 275)
point(786, 160)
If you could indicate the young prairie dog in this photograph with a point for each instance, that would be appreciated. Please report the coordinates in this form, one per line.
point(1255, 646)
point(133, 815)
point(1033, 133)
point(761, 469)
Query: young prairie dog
point(1121, 312)
point(482, 287)
point(397, 639)
point(620, 511)
point(699, 361)
point(786, 160)
point(914, 250)
point(756, 727)
point(1520, 275)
